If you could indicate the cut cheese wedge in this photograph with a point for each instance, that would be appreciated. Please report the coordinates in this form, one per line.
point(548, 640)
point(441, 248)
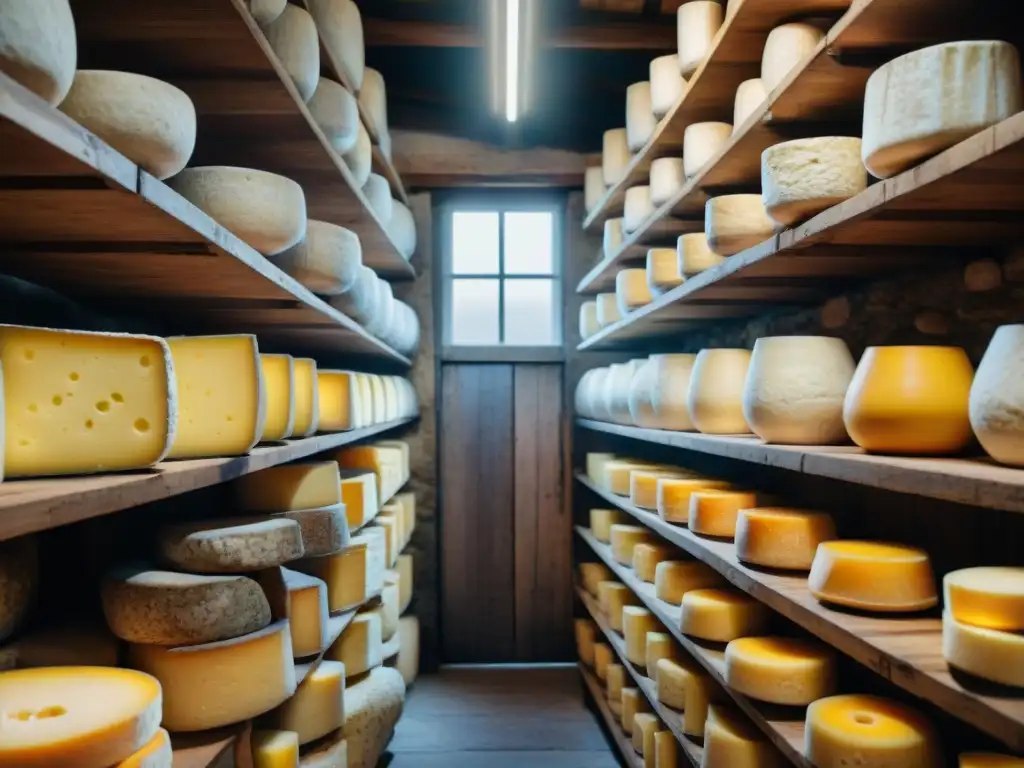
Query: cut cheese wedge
point(601, 522)
point(303, 600)
point(660, 645)
point(732, 741)
point(685, 688)
point(780, 670)
point(603, 656)
point(317, 708)
point(673, 579)
point(349, 575)
point(986, 597)
point(156, 754)
point(617, 474)
point(636, 623)
point(586, 634)
point(722, 615)
point(305, 485)
point(19, 578)
point(275, 749)
point(592, 574)
point(673, 501)
point(713, 513)
point(372, 708)
point(633, 703)
point(624, 538)
point(279, 375)
point(360, 647)
point(985, 653)
point(873, 576)
point(646, 556)
point(778, 537)
point(231, 545)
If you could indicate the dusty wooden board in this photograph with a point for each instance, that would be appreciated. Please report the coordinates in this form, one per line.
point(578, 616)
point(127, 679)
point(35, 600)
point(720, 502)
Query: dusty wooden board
point(906, 651)
point(623, 744)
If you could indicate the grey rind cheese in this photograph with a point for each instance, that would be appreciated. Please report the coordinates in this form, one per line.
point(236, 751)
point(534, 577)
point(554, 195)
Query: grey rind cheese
point(324, 530)
point(38, 47)
point(294, 39)
point(372, 707)
point(167, 608)
point(231, 545)
point(19, 576)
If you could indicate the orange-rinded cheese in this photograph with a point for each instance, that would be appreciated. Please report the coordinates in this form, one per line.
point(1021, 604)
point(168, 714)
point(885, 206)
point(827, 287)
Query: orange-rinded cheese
point(625, 538)
point(615, 681)
point(603, 656)
point(645, 725)
point(586, 634)
point(613, 597)
point(667, 754)
point(317, 708)
point(777, 537)
point(602, 520)
point(674, 496)
point(732, 741)
point(617, 474)
point(51, 716)
point(633, 704)
point(275, 749)
point(660, 645)
point(643, 485)
point(156, 754)
point(646, 556)
point(722, 615)
point(636, 623)
point(595, 466)
point(593, 574)
point(687, 689)
point(673, 579)
point(985, 653)
point(780, 670)
point(713, 513)
point(988, 760)
point(873, 576)
point(877, 732)
point(986, 597)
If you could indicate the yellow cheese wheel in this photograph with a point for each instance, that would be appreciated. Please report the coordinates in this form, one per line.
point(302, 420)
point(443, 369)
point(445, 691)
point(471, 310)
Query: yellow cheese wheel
point(985, 653)
point(687, 689)
point(595, 466)
point(645, 725)
point(156, 754)
point(625, 538)
point(713, 513)
point(602, 520)
point(780, 670)
point(873, 576)
point(636, 623)
point(732, 741)
point(593, 574)
point(615, 681)
point(722, 615)
point(871, 731)
point(986, 597)
point(673, 579)
point(666, 753)
point(777, 537)
point(660, 645)
point(617, 474)
point(275, 749)
point(586, 633)
point(613, 597)
point(87, 717)
point(988, 760)
point(633, 704)
point(674, 496)
point(603, 656)
point(646, 557)
point(316, 708)
point(643, 485)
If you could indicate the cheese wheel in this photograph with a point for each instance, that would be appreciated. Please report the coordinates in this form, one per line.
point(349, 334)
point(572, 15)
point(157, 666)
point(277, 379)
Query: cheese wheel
point(697, 24)
point(787, 45)
point(780, 670)
point(615, 156)
point(616, 394)
point(265, 210)
point(668, 392)
point(317, 708)
point(19, 579)
point(157, 753)
point(607, 309)
point(750, 95)
point(640, 120)
point(873, 576)
point(221, 676)
point(997, 397)
point(803, 177)
point(714, 512)
point(928, 100)
point(359, 159)
point(611, 238)
point(353, 575)
point(645, 725)
point(663, 270)
point(594, 395)
point(701, 143)
point(293, 37)
point(715, 398)
point(327, 260)
point(589, 324)
point(602, 520)
point(603, 656)
point(668, 86)
point(357, 302)
point(231, 545)
point(618, 475)
point(378, 195)
point(911, 400)
point(402, 230)
point(673, 579)
point(52, 717)
point(266, 11)
point(275, 749)
point(795, 388)
point(360, 647)
point(722, 615)
point(732, 741)
point(409, 655)
point(615, 679)
point(150, 122)
point(593, 187)
point(779, 537)
point(581, 396)
point(341, 25)
point(586, 635)
point(372, 708)
point(684, 687)
point(659, 645)
point(674, 495)
point(641, 411)
point(986, 653)
point(613, 597)
point(987, 760)
point(643, 485)
point(695, 254)
point(624, 538)
point(323, 754)
point(632, 704)
point(733, 223)
point(324, 530)
point(986, 597)
point(877, 731)
point(38, 46)
point(373, 98)
point(631, 290)
point(666, 750)
point(596, 463)
point(636, 623)
point(637, 208)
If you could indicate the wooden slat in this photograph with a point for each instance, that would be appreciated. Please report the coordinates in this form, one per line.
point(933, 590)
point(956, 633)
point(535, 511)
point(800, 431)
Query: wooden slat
point(905, 651)
point(624, 745)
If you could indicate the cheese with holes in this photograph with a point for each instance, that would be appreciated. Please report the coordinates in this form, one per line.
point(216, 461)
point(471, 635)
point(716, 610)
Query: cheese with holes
point(618, 475)
point(631, 289)
point(293, 37)
point(222, 676)
point(640, 120)
point(324, 754)
point(928, 100)
point(997, 398)
point(350, 575)
point(633, 703)
point(684, 687)
point(327, 260)
point(643, 485)
point(878, 732)
point(613, 597)
point(611, 238)
point(624, 538)
point(733, 223)
point(586, 634)
point(780, 670)
point(593, 187)
point(317, 707)
point(615, 156)
point(715, 398)
point(750, 95)
point(337, 400)
point(636, 623)
point(275, 749)
point(663, 270)
point(78, 402)
point(360, 647)
point(279, 375)
point(660, 645)
point(51, 717)
point(697, 24)
point(667, 85)
point(646, 557)
point(307, 400)
point(607, 309)
point(405, 582)
point(713, 512)
point(645, 725)
point(156, 753)
point(666, 751)
point(722, 615)
point(787, 45)
point(359, 495)
point(732, 741)
point(588, 319)
point(303, 599)
point(603, 656)
point(701, 143)
point(38, 46)
point(986, 653)
point(637, 208)
point(324, 529)
point(873, 576)
point(372, 708)
point(303, 485)
point(409, 655)
point(341, 25)
point(987, 760)
point(803, 177)
point(673, 500)
point(695, 254)
point(167, 608)
point(673, 579)
point(615, 680)
point(986, 597)
point(19, 580)
point(596, 463)
point(779, 537)
point(336, 112)
point(593, 574)
point(231, 545)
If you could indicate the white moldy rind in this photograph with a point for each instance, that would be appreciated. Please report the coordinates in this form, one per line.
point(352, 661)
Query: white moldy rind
point(614, 155)
point(607, 309)
point(926, 101)
point(593, 187)
point(594, 396)
point(668, 176)
point(667, 85)
point(663, 270)
point(637, 208)
point(795, 388)
point(733, 223)
point(715, 397)
point(697, 23)
point(640, 121)
point(150, 122)
point(631, 289)
point(997, 397)
point(785, 48)
point(38, 46)
point(641, 389)
point(327, 260)
point(612, 239)
point(750, 94)
point(695, 255)
point(701, 142)
point(341, 25)
point(266, 11)
point(293, 37)
point(803, 177)
point(359, 159)
point(378, 194)
point(402, 229)
point(669, 394)
point(616, 391)
point(335, 110)
point(373, 97)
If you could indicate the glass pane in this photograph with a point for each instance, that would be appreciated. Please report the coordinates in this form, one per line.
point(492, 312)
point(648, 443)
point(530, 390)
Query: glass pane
point(475, 243)
point(530, 312)
point(529, 243)
point(474, 312)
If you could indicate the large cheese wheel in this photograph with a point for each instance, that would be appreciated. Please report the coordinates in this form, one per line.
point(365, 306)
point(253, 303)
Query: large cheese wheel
point(53, 717)
point(372, 708)
point(732, 741)
point(631, 289)
point(986, 597)
point(615, 156)
point(336, 112)
point(595, 392)
point(640, 120)
point(713, 512)
point(641, 412)
point(701, 143)
point(624, 538)
point(637, 208)
point(715, 397)
point(69, 645)
point(643, 485)
point(795, 388)
point(150, 122)
point(668, 86)
point(673, 579)
point(928, 100)
point(38, 47)
point(785, 48)
point(266, 11)
point(722, 615)
point(341, 25)
point(593, 187)
point(733, 223)
point(326, 261)
point(402, 229)
point(780, 670)
point(997, 397)
point(986, 653)
point(265, 210)
point(612, 237)
point(19, 578)
point(616, 393)
point(873, 576)
point(293, 37)
point(671, 380)
point(359, 159)
point(697, 24)
point(378, 194)
point(802, 177)
point(695, 254)
point(231, 545)
point(750, 95)
point(373, 98)
point(668, 177)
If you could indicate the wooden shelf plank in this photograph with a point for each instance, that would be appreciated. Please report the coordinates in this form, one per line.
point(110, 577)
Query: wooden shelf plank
point(905, 651)
point(27, 506)
point(625, 745)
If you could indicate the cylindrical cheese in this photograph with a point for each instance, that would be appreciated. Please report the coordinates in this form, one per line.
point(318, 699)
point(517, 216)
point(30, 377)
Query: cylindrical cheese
point(19, 580)
point(646, 557)
point(593, 187)
point(613, 597)
point(378, 194)
point(603, 656)
point(667, 85)
point(335, 110)
point(695, 254)
point(911, 400)
point(660, 645)
point(732, 741)
point(671, 376)
point(637, 208)
point(612, 237)
point(985, 653)
point(594, 396)
point(877, 732)
point(615, 680)
point(602, 520)
point(38, 46)
point(668, 177)
point(802, 177)
point(873, 576)
point(633, 703)
point(780, 670)
point(722, 615)
point(643, 485)
point(750, 95)
point(715, 397)
point(663, 270)
point(373, 98)
point(327, 260)
point(645, 725)
point(640, 120)
point(615, 156)
point(402, 231)
point(701, 143)
point(795, 388)
point(641, 411)
point(674, 495)
point(673, 579)
point(624, 538)
point(596, 463)
point(586, 634)
point(685, 688)
point(317, 708)
point(636, 623)
point(293, 36)
point(777, 537)
point(785, 48)
point(631, 289)
point(231, 545)
point(616, 391)
point(607, 309)
point(714, 512)
point(997, 397)
point(372, 708)
point(986, 597)
point(592, 574)
point(928, 100)
point(697, 23)
point(733, 223)
point(581, 394)
point(618, 475)
point(359, 159)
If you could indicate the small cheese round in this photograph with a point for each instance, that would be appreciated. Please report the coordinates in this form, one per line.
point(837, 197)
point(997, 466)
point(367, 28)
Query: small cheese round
point(294, 38)
point(873, 576)
point(326, 753)
point(373, 98)
point(624, 538)
point(602, 520)
point(637, 208)
point(594, 396)
point(266, 11)
point(668, 86)
point(722, 615)
point(785, 48)
point(588, 319)
point(750, 95)
point(607, 309)
point(986, 653)
point(636, 623)
point(660, 645)
point(803, 177)
point(615, 679)
point(986, 597)
point(613, 597)
point(780, 670)
point(713, 512)
point(612, 237)
point(733, 223)
point(618, 475)
point(646, 557)
point(402, 231)
point(732, 741)
point(643, 485)
point(880, 732)
point(640, 120)
point(701, 143)
point(231, 545)
point(359, 159)
point(682, 686)
point(586, 635)
point(997, 397)
point(615, 156)
point(616, 393)
point(157, 753)
point(778, 537)
point(341, 25)
point(671, 373)
point(697, 24)
point(19, 579)
point(695, 254)
point(150, 122)
point(673, 579)
point(663, 270)
point(603, 656)
point(38, 46)
point(327, 260)
point(667, 179)
point(593, 187)
point(674, 495)
point(378, 195)
point(988, 760)
point(715, 398)
point(372, 708)
point(631, 289)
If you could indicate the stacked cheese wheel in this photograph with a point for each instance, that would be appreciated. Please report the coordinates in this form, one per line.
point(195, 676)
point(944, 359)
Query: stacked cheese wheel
point(371, 302)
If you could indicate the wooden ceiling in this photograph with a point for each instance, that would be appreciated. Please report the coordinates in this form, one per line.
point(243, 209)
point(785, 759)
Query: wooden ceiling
point(432, 56)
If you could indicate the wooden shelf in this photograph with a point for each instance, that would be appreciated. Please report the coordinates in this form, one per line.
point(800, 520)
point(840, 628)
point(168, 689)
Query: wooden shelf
point(27, 506)
point(906, 651)
point(625, 745)
point(978, 482)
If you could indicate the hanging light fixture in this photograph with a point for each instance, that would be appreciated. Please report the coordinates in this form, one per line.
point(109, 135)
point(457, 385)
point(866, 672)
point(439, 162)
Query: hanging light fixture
point(510, 34)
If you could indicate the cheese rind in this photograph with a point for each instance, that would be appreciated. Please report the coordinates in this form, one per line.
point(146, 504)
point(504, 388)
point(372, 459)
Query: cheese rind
point(997, 398)
point(985, 653)
point(603, 656)
point(19, 579)
point(636, 623)
point(633, 703)
point(615, 156)
point(803, 177)
point(156, 754)
point(779, 537)
point(293, 37)
point(750, 95)
point(336, 112)
point(683, 687)
point(663, 270)
point(324, 529)
point(673, 502)
point(714, 512)
point(715, 398)
point(360, 647)
point(279, 376)
point(732, 741)
point(593, 574)
point(231, 545)
point(631, 290)
point(733, 223)
point(275, 749)
point(636, 208)
point(640, 120)
point(624, 538)
point(992, 598)
point(660, 645)
point(695, 254)
point(327, 260)
point(785, 48)
point(673, 579)
point(872, 576)
point(303, 485)
point(646, 557)
point(593, 187)
point(701, 143)
point(38, 46)
point(372, 708)
point(317, 706)
point(780, 670)
point(588, 319)
point(722, 615)
point(586, 634)
point(643, 485)
point(667, 85)
point(645, 725)
point(697, 24)
point(607, 309)
point(341, 25)
point(614, 597)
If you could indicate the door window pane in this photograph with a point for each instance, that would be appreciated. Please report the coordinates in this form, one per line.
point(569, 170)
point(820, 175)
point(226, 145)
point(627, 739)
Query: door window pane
point(529, 242)
point(474, 317)
point(530, 312)
point(475, 243)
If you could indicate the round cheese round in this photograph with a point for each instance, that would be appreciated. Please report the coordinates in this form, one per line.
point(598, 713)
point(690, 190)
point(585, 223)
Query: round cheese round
point(701, 143)
point(986, 653)
point(722, 615)
point(335, 110)
point(293, 36)
point(780, 670)
point(615, 156)
point(668, 177)
point(38, 46)
point(359, 159)
point(378, 194)
point(997, 397)
point(872, 576)
point(713, 512)
point(640, 120)
point(668, 86)
point(750, 95)
point(637, 208)
point(715, 397)
point(730, 739)
point(231, 545)
point(266, 11)
point(733, 223)
point(588, 319)
point(697, 23)
point(695, 255)
point(402, 229)
point(616, 391)
point(802, 177)
point(611, 237)
point(673, 579)
point(342, 27)
point(631, 290)
point(373, 98)
point(986, 597)
point(663, 270)
point(593, 187)
point(326, 261)
point(785, 48)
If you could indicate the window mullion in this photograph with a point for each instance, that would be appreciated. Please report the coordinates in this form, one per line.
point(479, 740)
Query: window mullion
point(501, 277)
